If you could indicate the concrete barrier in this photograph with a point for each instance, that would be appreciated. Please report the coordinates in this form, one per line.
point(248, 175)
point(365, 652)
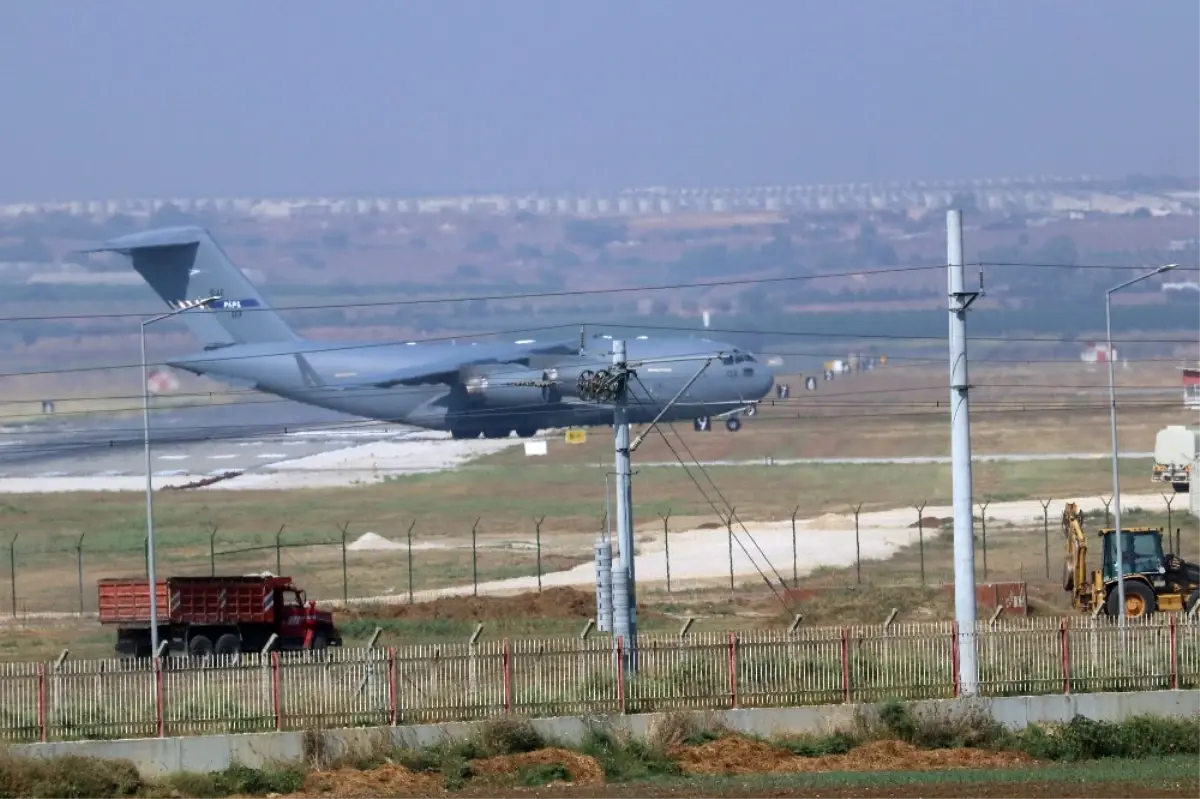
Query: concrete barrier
point(158, 756)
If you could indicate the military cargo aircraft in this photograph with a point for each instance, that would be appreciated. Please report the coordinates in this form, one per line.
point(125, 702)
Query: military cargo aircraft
point(491, 389)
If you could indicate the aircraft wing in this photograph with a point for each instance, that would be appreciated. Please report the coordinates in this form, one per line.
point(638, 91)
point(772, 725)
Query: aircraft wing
point(446, 369)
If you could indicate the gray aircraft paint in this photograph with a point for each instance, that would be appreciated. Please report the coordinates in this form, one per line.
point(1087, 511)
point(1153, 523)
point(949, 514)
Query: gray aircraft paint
point(421, 384)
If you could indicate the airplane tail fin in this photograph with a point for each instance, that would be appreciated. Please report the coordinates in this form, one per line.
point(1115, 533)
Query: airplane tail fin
point(186, 264)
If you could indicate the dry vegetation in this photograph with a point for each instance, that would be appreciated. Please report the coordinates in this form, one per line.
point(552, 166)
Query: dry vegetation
point(505, 493)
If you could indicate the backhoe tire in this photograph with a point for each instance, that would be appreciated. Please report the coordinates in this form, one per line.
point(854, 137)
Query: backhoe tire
point(1140, 600)
point(1192, 601)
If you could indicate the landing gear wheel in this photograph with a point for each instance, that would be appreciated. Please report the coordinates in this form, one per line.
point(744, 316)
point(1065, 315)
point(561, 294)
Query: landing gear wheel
point(526, 432)
point(733, 424)
point(229, 644)
point(200, 646)
point(496, 432)
point(464, 433)
point(1139, 600)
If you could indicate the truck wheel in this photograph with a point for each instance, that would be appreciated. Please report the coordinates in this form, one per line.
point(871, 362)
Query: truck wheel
point(200, 646)
point(319, 642)
point(229, 644)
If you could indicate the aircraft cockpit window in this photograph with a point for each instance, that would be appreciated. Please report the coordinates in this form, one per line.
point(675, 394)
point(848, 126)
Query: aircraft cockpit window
point(727, 360)
point(749, 359)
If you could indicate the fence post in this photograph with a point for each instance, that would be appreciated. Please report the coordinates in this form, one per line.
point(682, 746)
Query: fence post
point(212, 552)
point(1046, 532)
point(159, 710)
point(729, 533)
point(345, 580)
point(391, 678)
point(475, 558)
point(1107, 514)
point(507, 661)
point(12, 570)
point(410, 563)
point(857, 547)
point(983, 506)
point(733, 680)
point(666, 520)
point(921, 536)
point(1169, 500)
point(41, 703)
point(845, 666)
point(954, 678)
point(278, 547)
point(1064, 646)
point(795, 557)
point(79, 568)
point(537, 524)
point(276, 693)
point(621, 674)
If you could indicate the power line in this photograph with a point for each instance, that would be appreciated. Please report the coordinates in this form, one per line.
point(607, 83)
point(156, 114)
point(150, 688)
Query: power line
point(592, 292)
point(703, 284)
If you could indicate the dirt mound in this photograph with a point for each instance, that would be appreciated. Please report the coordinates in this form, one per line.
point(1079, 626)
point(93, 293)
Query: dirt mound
point(387, 780)
point(583, 770)
point(737, 755)
point(552, 603)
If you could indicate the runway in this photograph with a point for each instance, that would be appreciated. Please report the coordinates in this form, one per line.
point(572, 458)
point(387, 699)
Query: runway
point(194, 441)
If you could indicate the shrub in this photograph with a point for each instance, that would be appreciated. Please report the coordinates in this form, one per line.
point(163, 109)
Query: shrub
point(1086, 739)
point(67, 776)
point(237, 780)
point(544, 774)
point(837, 743)
point(626, 760)
point(509, 736)
point(689, 729)
point(952, 728)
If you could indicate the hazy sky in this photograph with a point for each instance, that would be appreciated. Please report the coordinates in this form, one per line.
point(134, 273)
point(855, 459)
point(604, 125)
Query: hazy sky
point(119, 98)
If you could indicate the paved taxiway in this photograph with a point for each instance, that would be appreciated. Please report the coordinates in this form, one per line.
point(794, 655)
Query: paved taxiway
point(197, 441)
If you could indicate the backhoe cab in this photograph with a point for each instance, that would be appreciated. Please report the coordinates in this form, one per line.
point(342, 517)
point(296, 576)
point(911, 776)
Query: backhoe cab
point(1154, 581)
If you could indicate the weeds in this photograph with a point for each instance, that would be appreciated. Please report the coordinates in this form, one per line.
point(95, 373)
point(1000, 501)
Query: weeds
point(68, 776)
point(627, 760)
point(1085, 739)
point(685, 729)
point(237, 780)
point(542, 775)
point(837, 743)
point(952, 728)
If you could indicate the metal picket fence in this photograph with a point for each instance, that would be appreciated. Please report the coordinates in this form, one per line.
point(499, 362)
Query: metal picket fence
point(117, 698)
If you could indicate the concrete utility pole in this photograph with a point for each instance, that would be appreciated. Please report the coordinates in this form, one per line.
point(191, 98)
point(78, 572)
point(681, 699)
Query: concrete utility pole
point(624, 624)
point(960, 454)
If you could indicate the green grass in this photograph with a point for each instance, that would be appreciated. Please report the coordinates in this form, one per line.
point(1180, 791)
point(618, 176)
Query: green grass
point(1156, 772)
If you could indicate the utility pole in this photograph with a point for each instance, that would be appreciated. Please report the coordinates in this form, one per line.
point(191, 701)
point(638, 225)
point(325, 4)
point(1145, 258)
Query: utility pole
point(624, 625)
point(960, 453)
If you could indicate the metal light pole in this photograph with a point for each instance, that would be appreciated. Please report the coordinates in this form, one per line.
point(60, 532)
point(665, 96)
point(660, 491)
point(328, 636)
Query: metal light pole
point(150, 572)
point(1112, 402)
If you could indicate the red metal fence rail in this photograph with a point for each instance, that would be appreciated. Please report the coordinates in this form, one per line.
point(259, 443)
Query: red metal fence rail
point(462, 681)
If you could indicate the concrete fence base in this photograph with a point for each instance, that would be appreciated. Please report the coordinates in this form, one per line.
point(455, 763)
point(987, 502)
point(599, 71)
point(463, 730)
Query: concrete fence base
point(159, 756)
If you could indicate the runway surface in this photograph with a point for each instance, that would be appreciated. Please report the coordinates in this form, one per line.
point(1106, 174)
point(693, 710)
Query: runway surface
point(197, 441)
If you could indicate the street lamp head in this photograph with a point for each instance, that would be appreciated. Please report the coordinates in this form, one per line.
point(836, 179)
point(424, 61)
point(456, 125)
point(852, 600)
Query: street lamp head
point(1166, 268)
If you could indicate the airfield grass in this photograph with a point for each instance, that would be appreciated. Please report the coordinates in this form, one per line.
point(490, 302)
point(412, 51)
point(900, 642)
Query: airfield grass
point(443, 508)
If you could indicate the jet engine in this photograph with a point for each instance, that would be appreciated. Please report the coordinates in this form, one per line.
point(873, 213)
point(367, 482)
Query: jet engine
point(504, 386)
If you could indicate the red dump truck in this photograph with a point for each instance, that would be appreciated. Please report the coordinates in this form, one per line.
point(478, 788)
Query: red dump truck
point(222, 615)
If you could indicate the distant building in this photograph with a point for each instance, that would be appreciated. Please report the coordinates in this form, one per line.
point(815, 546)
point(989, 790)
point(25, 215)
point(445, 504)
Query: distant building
point(1097, 353)
point(1191, 387)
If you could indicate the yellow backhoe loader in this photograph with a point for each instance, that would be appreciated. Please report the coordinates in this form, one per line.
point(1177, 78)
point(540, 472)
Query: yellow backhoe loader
point(1153, 581)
